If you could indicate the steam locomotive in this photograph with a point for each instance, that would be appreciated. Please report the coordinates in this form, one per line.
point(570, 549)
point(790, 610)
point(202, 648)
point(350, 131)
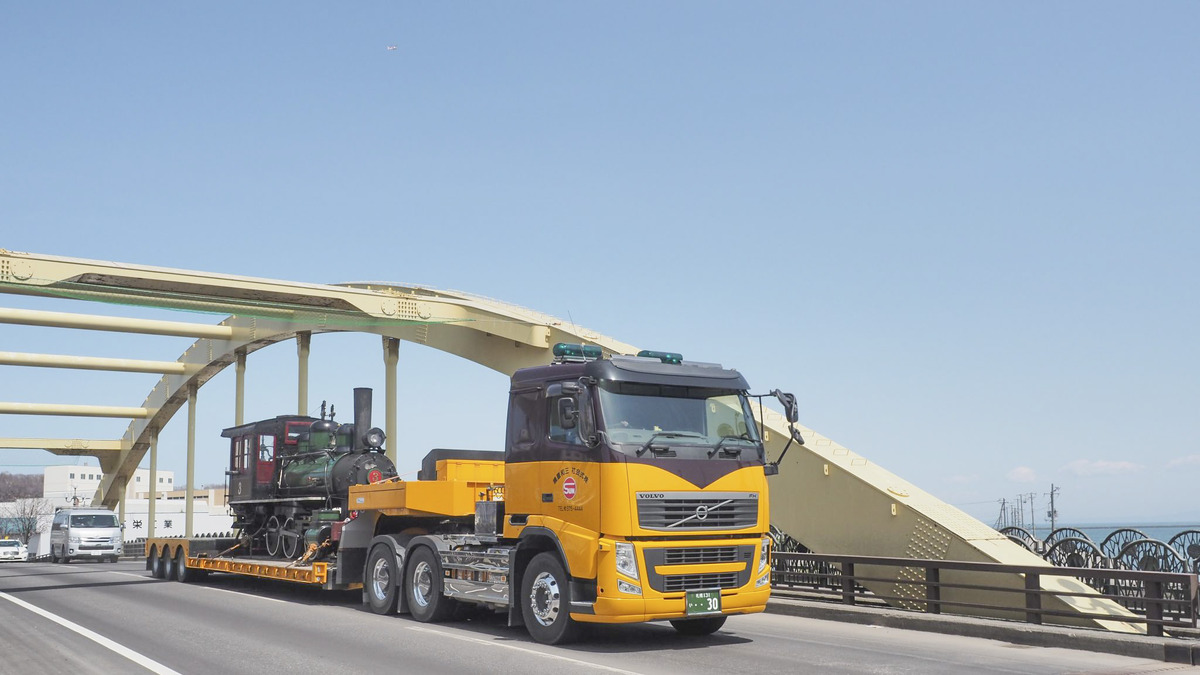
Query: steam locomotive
point(289, 476)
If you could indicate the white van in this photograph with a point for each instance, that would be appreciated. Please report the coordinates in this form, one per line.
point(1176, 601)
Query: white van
point(85, 533)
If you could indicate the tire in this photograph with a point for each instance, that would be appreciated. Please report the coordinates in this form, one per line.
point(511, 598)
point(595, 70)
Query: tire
point(160, 564)
point(705, 626)
point(423, 587)
point(546, 601)
point(381, 579)
point(114, 559)
point(182, 572)
point(152, 561)
point(53, 555)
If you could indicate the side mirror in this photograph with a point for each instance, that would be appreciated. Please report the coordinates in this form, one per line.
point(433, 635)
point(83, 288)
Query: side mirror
point(771, 469)
point(568, 414)
point(788, 401)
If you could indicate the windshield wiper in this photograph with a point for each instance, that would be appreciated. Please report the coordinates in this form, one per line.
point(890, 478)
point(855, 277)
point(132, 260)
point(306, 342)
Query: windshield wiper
point(665, 434)
point(732, 452)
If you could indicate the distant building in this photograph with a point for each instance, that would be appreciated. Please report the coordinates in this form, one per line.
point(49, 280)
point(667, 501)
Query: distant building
point(76, 485)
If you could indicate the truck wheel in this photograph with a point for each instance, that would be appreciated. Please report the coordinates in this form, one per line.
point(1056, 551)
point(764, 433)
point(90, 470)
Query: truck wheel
point(705, 626)
point(151, 560)
point(546, 601)
point(381, 580)
point(53, 555)
point(423, 588)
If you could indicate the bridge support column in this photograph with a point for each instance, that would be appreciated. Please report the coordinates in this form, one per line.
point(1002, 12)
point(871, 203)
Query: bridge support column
point(153, 496)
point(391, 357)
point(239, 389)
point(121, 500)
point(303, 340)
point(191, 461)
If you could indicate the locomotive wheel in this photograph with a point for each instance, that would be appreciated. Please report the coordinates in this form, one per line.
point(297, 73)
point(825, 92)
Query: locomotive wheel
point(271, 538)
point(289, 540)
point(423, 588)
point(381, 581)
point(546, 601)
point(705, 626)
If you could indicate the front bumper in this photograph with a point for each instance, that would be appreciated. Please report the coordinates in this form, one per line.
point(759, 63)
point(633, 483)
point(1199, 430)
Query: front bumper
point(748, 596)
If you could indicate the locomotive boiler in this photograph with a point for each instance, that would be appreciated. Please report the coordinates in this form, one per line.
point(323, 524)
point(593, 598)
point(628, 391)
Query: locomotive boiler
point(289, 476)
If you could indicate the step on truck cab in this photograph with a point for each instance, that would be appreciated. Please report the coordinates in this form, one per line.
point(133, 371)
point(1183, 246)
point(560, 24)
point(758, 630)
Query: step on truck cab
point(630, 489)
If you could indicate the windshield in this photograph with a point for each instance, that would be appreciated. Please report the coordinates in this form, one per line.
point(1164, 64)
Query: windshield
point(677, 421)
point(9, 543)
point(94, 520)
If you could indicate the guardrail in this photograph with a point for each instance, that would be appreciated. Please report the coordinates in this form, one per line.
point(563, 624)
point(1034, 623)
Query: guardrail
point(1158, 599)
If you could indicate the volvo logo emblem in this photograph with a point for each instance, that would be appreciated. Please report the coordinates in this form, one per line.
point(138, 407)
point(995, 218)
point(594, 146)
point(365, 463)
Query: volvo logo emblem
point(701, 512)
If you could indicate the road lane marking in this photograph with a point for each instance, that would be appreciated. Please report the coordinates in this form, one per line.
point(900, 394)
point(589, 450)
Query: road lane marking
point(493, 643)
point(146, 662)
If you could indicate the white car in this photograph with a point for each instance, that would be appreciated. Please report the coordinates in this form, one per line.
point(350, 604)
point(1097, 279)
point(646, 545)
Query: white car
point(11, 549)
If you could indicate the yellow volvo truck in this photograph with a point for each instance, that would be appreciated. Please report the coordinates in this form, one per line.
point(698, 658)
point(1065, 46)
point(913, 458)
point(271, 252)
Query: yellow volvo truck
point(630, 489)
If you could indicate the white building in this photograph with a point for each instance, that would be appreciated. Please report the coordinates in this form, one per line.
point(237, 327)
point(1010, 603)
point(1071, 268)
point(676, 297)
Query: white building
point(76, 485)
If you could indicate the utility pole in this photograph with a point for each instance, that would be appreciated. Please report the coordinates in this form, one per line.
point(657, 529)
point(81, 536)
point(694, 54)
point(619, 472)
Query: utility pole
point(1052, 514)
point(1032, 515)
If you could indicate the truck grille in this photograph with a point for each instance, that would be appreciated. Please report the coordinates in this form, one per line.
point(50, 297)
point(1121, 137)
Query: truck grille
point(692, 582)
point(697, 511)
point(699, 556)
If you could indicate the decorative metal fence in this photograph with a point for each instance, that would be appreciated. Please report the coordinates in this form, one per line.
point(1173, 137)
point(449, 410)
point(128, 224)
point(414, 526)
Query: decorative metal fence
point(1158, 599)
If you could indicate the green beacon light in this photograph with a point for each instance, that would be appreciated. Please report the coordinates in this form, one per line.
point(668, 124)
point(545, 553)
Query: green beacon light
point(665, 357)
point(568, 352)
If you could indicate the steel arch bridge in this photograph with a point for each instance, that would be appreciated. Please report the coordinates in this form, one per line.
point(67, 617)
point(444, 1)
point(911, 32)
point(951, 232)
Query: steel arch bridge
point(827, 497)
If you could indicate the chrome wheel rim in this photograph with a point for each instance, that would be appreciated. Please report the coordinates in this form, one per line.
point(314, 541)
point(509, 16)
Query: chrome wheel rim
point(422, 583)
point(381, 578)
point(544, 599)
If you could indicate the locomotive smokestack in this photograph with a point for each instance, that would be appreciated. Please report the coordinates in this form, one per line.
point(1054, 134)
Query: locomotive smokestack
point(362, 418)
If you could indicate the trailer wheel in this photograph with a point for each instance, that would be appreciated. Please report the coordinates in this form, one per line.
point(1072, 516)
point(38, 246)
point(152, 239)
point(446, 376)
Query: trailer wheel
point(160, 564)
point(546, 601)
point(151, 560)
point(423, 588)
point(172, 570)
point(382, 580)
point(705, 626)
point(183, 572)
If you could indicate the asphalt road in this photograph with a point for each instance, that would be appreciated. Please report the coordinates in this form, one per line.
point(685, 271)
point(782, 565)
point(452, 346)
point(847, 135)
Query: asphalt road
point(109, 618)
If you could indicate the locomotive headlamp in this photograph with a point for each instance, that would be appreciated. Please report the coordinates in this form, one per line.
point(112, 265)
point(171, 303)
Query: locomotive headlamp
point(626, 559)
point(665, 357)
point(374, 437)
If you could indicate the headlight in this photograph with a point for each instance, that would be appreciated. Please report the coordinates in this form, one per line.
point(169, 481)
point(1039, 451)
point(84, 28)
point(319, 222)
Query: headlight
point(626, 559)
point(764, 556)
point(74, 539)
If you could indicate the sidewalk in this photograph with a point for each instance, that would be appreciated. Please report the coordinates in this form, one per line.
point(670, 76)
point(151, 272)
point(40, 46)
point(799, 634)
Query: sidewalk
point(1171, 650)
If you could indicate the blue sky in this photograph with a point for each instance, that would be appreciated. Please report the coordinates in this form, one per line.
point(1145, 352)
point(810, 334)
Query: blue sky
point(964, 234)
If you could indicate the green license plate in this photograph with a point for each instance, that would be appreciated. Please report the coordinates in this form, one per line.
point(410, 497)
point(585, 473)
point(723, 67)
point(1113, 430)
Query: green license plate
point(703, 602)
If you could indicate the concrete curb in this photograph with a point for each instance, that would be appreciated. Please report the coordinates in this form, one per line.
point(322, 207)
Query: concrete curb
point(1171, 650)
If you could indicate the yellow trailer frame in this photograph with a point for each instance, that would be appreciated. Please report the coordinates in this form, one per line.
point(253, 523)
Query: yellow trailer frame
point(173, 551)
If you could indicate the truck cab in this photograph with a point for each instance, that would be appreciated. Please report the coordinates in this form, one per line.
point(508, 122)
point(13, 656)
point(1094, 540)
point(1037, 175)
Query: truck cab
point(646, 477)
